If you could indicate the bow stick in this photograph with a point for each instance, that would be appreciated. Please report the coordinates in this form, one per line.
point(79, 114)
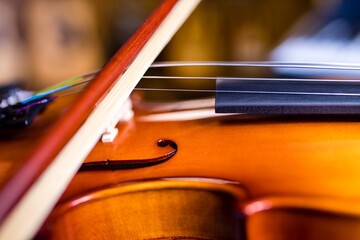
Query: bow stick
point(28, 197)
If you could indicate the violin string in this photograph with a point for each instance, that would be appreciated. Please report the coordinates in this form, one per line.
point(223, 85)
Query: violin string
point(235, 91)
point(309, 65)
point(330, 66)
point(227, 91)
point(246, 92)
point(207, 78)
point(313, 65)
point(160, 77)
point(252, 79)
point(70, 93)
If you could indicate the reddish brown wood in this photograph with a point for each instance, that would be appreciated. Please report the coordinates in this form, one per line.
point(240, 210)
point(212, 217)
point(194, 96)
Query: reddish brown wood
point(64, 128)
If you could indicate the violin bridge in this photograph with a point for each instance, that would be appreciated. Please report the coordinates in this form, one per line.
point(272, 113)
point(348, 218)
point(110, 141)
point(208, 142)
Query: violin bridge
point(124, 115)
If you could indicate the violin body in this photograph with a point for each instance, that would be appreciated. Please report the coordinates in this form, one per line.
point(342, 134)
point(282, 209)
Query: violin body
point(306, 166)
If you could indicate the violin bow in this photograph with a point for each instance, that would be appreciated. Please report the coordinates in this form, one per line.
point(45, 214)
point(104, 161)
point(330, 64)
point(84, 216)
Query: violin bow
point(36, 187)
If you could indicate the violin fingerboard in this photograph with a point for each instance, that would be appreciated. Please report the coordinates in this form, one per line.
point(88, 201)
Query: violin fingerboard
point(287, 96)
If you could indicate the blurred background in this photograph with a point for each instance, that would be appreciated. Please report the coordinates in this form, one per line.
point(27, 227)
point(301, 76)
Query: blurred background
point(46, 41)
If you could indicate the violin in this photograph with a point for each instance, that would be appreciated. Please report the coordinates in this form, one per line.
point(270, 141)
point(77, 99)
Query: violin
point(219, 177)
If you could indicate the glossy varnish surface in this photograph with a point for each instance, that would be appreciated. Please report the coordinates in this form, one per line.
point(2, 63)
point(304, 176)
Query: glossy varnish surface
point(269, 156)
point(300, 174)
point(295, 162)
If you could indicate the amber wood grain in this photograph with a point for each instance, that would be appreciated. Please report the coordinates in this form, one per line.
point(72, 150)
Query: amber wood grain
point(301, 174)
point(303, 156)
point(283, 224)
point(176, 209)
